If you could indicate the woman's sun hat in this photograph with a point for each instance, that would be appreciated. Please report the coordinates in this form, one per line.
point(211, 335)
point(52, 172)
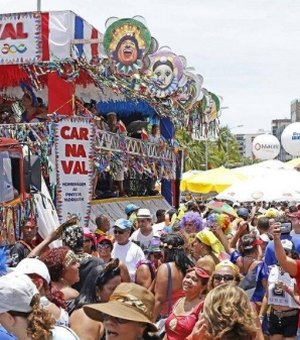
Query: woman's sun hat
point(129, 301)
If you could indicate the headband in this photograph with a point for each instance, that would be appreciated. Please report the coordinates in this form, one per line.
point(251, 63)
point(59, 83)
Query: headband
point(70, 258)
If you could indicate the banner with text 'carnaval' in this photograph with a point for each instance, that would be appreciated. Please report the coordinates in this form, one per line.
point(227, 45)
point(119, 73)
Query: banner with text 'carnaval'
point(74, 138)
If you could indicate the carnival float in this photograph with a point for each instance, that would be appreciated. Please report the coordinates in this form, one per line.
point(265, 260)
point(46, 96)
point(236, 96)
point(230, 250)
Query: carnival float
point(74, 76)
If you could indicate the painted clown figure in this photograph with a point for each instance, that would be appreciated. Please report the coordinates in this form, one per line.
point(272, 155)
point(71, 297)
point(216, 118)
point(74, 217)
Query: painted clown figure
point(127, 43)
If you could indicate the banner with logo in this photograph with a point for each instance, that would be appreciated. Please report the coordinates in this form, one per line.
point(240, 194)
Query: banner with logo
point(74, 148)
point(20, 38)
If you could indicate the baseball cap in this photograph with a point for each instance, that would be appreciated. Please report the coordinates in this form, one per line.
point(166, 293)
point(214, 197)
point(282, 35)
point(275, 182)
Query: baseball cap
point(143, 213)
point(16, 293)
point(33, 266)
point(104, 239)
point(294, 214)
point(111, 113)
point(265, 237)
point(154, 246)
point(287, 244)
point(122, 224)
point(130, 208)
point(243, 212)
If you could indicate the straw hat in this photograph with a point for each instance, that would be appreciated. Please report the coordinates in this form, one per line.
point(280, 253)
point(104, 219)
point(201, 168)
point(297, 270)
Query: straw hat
point(129, 301)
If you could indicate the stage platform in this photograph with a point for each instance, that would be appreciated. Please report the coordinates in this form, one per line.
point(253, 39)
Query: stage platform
point(114, 207)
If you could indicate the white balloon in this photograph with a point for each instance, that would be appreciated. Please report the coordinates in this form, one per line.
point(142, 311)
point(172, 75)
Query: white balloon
point(290, 139)
point(265, 146)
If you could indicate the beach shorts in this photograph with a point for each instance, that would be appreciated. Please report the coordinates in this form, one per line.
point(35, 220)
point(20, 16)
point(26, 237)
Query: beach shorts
point(284, 325)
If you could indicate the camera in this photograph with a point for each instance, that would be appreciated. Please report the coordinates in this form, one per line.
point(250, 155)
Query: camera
point(286, 227)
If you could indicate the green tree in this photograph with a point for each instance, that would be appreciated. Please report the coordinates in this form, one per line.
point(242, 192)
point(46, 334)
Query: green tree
point(222, 151)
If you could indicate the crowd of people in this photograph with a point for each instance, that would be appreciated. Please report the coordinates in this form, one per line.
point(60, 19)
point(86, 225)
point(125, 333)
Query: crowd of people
point(192, 273)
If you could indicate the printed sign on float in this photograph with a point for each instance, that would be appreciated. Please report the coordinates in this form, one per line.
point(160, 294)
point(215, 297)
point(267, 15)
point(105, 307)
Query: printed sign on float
point(74, 138)
point(20, 38)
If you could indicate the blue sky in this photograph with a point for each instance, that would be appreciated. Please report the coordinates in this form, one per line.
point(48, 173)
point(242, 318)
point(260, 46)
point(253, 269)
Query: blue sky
point(247, 51)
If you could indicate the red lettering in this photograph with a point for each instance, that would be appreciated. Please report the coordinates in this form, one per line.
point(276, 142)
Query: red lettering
point(80, 134)
point(84, 132)
point(9, 31)
point(20, 31)
point(63, 132)
point(74, 167)
point(75, 150)
point(67, 166)
point(79, 168)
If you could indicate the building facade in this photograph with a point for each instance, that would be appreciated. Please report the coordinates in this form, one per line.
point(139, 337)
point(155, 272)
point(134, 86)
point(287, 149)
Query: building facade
point(245, 142)
point(295, 111)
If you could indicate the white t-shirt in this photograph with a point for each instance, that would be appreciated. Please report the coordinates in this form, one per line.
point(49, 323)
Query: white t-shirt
point(276, 295)
point(63, 333)
point(143, 240)
point(130, 254)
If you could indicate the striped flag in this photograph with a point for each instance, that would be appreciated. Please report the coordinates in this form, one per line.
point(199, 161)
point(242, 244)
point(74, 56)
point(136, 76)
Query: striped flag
point(59, 28)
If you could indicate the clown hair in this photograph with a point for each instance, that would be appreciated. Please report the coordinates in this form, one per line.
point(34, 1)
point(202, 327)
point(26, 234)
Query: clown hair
point(192, 217)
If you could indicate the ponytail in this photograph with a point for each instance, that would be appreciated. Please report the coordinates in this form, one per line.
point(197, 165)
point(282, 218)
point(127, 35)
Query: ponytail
point(40, 321)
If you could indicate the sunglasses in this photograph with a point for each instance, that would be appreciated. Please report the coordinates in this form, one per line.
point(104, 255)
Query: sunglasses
point(119, 232)
point(226, 277)
point(156, 255)
point(118, 320)
point(104, 246)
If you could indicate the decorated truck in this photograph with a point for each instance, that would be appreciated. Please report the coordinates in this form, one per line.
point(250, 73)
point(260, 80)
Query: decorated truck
point(76, 76)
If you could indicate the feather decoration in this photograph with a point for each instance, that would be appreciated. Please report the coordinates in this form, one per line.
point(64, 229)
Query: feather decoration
point(28, 90)
point(3, 267)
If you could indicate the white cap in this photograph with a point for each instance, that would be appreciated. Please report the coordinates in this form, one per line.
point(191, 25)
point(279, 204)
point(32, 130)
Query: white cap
point(143, 213)
point(287, 244)
point(265, 237)
point(16, 293)
point(34, 266)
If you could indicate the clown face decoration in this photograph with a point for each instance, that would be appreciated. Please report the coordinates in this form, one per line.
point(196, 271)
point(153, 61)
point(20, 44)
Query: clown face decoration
point(166, 70)
point(127, 43)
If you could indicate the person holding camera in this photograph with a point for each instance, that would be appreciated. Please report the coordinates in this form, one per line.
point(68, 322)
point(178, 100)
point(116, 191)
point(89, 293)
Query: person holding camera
point(285, 234)
point(284, 283)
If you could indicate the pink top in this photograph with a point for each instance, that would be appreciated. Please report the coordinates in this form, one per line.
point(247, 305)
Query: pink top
point(178, 327)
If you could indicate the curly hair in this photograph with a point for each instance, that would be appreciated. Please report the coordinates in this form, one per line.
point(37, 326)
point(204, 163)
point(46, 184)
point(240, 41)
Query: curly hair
point(54, 260)
point(40, 321)
point(192, 217)
point(228, 314)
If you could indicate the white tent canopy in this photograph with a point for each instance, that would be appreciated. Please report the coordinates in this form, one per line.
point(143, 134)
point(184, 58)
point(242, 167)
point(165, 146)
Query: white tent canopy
point(266, 185)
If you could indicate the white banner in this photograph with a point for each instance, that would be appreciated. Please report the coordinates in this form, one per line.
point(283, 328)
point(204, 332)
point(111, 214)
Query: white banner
point(74, 144)
point(20, 38)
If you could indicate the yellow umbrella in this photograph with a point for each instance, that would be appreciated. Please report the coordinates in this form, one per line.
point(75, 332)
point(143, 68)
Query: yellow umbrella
point(186, 176)
point(293, 163)
point(215, 180)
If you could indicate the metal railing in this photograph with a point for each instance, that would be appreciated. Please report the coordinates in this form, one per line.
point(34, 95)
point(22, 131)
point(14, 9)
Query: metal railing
point(121, 143)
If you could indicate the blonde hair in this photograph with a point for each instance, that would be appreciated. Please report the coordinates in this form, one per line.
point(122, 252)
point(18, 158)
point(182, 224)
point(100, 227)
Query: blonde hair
point(40, 321)
point(228, 314)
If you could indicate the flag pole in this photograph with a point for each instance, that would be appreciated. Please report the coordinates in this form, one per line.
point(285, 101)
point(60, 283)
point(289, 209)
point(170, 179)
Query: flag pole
point(38, 6)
